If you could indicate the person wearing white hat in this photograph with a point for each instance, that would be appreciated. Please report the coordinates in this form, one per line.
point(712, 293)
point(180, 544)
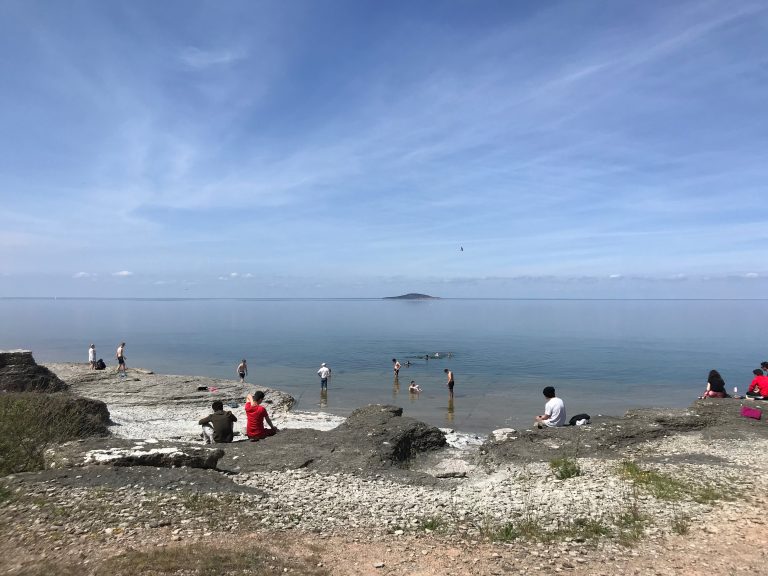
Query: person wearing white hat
point(324, 373)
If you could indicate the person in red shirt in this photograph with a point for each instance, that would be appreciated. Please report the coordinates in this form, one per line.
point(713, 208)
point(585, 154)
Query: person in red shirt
point(257, 414)
point(759, 385)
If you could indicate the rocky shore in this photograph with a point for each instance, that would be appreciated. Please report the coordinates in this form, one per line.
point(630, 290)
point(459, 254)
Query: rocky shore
point(381, 493)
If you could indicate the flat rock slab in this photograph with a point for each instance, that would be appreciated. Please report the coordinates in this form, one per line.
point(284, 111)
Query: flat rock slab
point(145, 388)
point(171, 480)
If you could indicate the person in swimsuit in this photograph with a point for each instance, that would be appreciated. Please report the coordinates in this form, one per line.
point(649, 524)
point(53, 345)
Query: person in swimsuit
point(395, 367)
point(92, 356)
point(120, 355)
point(242, 371)
point(449, 374)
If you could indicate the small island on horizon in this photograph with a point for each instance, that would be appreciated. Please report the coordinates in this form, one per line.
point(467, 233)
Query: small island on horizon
point(412, 296)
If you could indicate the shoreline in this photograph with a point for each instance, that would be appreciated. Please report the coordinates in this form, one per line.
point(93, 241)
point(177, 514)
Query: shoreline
point(500, 507)
point(177, 405)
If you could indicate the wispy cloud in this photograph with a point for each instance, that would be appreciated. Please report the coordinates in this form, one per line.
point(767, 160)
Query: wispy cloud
point(84, 275)
point(200, 59)
point(122, 274)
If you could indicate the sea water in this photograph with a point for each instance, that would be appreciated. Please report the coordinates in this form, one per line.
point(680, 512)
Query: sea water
point(602, 356)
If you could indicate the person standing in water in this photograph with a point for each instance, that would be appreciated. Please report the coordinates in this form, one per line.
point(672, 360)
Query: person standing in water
point(242, 371)
point(396, 367)
point(324, 374)
point(449, 383)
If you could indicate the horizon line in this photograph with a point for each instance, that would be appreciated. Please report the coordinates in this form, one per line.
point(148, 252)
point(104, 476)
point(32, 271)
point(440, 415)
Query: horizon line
point(371, 298)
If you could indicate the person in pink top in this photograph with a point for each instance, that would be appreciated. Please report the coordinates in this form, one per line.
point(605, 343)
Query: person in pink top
point(759, 386)
point(257, 414)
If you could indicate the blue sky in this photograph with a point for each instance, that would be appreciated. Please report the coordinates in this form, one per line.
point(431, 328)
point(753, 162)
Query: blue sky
point(262, 149)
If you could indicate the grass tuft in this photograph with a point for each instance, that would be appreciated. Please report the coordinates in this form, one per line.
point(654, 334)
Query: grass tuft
point(565, 468)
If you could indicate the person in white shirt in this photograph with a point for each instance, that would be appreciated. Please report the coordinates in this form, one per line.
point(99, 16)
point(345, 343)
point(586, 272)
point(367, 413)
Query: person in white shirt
point(92, 356)
point(554, 410)
point(324, 373)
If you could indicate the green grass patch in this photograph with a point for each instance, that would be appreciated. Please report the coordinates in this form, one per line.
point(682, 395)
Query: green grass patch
point(531, 530)
point(32, 422)
point(564, 468)
point(664, 487)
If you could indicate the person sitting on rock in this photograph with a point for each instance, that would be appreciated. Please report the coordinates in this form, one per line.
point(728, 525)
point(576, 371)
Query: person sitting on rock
point(257, 414)
point(554, 410)
point(715, 386)
point(758, 388)
point(217, 427)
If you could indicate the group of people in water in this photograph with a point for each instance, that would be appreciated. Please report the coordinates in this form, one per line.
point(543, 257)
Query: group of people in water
point(758, 388)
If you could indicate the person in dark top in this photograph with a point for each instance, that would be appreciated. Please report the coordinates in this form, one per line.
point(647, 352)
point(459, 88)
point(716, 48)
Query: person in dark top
point(715, 386)
point(217, 427)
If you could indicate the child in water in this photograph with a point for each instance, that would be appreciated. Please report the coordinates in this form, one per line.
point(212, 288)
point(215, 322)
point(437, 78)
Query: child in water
point(414, 388)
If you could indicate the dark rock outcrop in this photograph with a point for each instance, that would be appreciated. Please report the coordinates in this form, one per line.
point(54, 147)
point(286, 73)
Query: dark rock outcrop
point(20, 373)
point(373, 439)
point(397, 437)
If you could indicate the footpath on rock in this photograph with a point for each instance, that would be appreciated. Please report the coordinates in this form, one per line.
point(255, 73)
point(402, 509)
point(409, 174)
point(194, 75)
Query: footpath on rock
point(381, 493)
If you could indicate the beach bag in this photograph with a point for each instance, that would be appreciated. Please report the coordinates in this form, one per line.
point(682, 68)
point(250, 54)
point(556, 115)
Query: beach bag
point(579, 420)
point(100, 365)
point(749, 412)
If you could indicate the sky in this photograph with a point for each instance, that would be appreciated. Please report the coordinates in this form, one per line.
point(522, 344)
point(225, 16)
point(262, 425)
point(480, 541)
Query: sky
point(363, 149)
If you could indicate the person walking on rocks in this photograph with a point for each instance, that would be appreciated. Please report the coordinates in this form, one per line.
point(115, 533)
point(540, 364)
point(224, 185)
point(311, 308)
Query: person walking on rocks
point(257, 414)
point(92, 356)
point(120, 355)
point(324, 374)
point(242, 371)
point(449, 383)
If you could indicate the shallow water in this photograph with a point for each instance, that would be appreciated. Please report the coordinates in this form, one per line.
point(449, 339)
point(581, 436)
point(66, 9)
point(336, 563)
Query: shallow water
point(603, 356)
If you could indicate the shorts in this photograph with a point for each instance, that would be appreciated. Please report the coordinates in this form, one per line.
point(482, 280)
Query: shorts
point(450, 385)
point(120, 361)
point(242, 375)
point(324, 382)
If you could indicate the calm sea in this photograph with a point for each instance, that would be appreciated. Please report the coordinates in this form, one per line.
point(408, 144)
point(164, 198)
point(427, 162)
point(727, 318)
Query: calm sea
point(603, 356)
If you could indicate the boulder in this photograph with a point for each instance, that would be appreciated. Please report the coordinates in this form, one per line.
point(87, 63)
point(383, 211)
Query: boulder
point(20, 373)
point(396, 438)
